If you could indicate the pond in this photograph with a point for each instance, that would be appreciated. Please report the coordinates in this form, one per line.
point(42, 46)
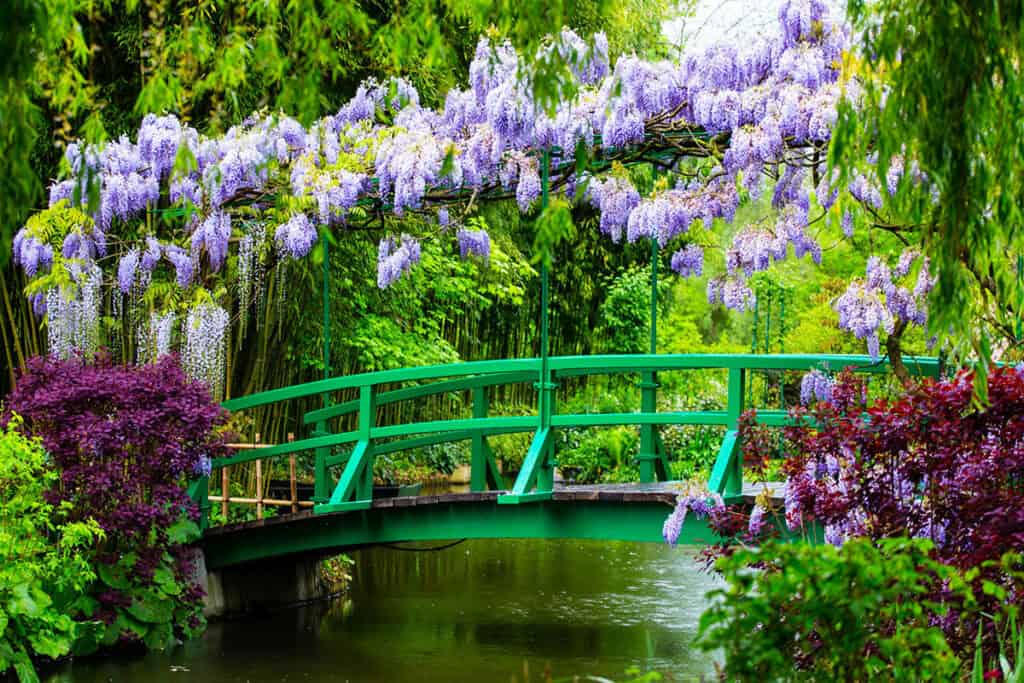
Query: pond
point(482, 610)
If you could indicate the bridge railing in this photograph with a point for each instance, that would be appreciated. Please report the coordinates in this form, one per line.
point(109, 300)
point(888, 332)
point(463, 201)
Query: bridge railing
point(354, 487)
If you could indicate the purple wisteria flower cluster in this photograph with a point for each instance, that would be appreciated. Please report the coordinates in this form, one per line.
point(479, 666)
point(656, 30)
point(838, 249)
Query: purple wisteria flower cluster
point(205, 349)
point(815, 386)
point(395, 258)
point(693, 499)
point(474, 242)
point(762, 106)
point(877, 303)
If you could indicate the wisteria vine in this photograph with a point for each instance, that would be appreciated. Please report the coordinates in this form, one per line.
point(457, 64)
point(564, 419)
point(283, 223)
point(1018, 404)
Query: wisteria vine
point(734, 121)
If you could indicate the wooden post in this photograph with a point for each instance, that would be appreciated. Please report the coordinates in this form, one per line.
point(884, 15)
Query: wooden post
point(259, 489)
point(225, 491)
point(291, 476)
point(259, 484)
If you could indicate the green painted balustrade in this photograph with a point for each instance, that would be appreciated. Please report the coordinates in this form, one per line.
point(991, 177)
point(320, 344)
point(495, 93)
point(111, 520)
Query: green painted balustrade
point(353, 488)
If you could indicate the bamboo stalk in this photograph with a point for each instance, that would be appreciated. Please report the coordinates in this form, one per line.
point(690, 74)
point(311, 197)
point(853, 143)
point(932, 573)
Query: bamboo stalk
point(254, 501)
point(259, 483)
point(10, 316)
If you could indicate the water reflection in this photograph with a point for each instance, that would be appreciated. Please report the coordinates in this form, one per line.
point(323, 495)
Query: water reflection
point(474, 612)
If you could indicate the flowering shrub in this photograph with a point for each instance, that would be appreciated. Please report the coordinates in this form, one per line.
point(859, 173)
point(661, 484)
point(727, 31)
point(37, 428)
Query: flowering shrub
point(125, 440)
point(929, 464)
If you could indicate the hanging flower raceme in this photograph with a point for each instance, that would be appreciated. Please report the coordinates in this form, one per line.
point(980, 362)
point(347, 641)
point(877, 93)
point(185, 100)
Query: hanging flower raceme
point(688, 261)
point(815, 386)
point(73, 313)
point(693, 499)
point(474, 242)
point(732, 121)
point(205, 348)
point(394, 259)
point(877, 303)
point(295, 238)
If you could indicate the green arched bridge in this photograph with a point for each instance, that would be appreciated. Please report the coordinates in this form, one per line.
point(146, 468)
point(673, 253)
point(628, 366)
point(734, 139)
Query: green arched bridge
point(346, 515)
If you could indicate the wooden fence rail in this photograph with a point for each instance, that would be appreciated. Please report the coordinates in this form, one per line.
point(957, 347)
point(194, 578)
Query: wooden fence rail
point(225, 498)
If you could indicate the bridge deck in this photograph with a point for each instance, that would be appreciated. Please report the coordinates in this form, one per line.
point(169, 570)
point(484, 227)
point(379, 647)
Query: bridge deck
point(606, 511)
point(655, 492)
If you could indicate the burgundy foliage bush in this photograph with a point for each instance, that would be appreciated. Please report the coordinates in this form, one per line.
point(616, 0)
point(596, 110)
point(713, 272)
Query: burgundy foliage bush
point(126, 440)
point(930, 464)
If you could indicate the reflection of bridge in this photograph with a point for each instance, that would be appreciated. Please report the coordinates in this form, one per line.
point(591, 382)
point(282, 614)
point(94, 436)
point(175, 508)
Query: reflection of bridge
point(346, 515)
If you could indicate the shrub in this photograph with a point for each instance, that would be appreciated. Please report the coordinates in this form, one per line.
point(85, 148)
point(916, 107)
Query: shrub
point(931, 464)
point(594, 455)
point(44, 567)
point(125, 441)
point(814, 612)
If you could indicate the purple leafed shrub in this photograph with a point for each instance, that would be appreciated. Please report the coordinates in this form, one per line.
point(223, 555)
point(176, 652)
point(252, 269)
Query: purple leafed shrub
point(125, 441)
point(928, 464)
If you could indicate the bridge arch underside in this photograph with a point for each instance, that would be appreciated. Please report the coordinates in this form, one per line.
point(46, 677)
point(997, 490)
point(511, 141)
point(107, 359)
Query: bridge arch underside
point(590, 514)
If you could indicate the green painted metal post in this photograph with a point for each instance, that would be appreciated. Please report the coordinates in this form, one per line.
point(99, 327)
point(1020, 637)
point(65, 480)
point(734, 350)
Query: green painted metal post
point(538, 470)
point(767, 341)
point(545, 388)
point(483, 469)
point(321, 482)
point(367, 420)
point(199, 492)
point(651, 466)
point(727, 473)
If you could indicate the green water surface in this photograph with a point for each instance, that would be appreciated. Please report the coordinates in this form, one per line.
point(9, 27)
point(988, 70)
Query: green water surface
point(484, 610)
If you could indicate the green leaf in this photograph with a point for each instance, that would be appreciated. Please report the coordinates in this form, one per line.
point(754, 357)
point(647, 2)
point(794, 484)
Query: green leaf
point(151, 609)
point(553, 227)
point(114, 575)
point(51, 643)
point(23, 602)
point(88, 636)
point(183, 531)
point(24, 668)
point(160, 636)
point(125, 623)
point(164, 578)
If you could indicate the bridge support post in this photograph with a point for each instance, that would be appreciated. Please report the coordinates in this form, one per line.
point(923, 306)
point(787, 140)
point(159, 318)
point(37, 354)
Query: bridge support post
point(483, 470)
point(539, 467)
point(653, 462)
point(355, 487)
point(199, 492)
point(321, 483)
point(727, 473)
point(321, 480)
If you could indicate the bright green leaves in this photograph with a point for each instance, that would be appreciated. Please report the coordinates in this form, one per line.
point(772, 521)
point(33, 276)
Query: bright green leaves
point(814, 612)
point(42, 559)
point(950, 80)
point(554, 226)
point(183, 531)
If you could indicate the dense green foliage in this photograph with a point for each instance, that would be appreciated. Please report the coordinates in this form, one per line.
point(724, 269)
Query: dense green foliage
point(944, 86)
point(814, 612)
point(122, 442)
point(44, 566)
point(92, 68)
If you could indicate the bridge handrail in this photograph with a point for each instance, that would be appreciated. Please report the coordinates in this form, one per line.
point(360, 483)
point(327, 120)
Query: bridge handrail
point(354, 489)
point(565, 366)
